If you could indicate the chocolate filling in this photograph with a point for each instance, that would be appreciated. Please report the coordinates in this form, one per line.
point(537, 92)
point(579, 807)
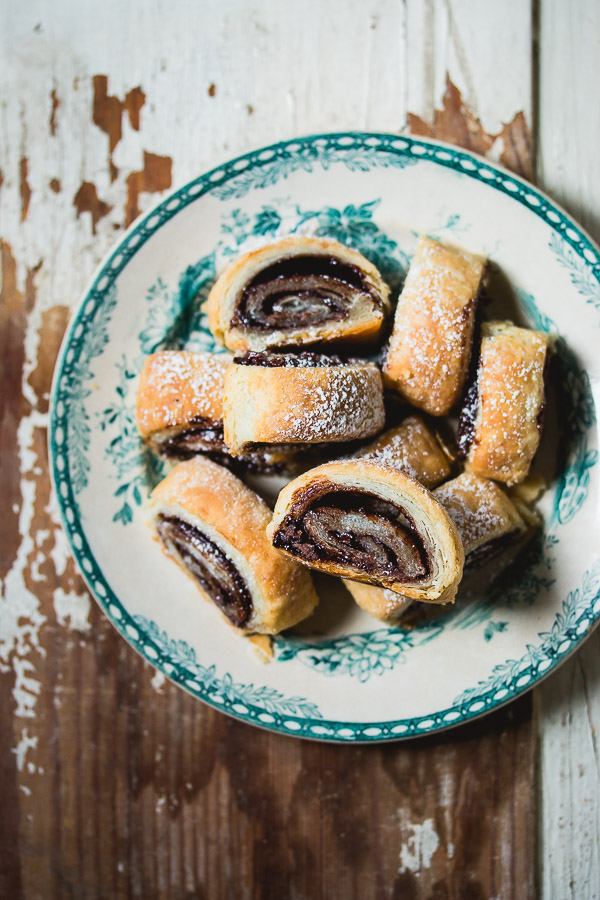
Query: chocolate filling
point(465, 431)
point(490, 549)
point(304, 360)
point(356, 529)
point(211, 568)
point(301, 292)
point(200, 436)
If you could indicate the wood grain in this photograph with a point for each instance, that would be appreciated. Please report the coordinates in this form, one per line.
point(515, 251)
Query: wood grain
point(568, 703)
point(148, 793)
point(114, 783)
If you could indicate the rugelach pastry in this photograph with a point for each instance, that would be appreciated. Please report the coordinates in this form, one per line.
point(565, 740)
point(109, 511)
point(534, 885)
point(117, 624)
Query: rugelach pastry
point(362, 520)
point(179, 404)
point(295, 292)
point(303, 398)
point(179, 411)
point(213, 526)
point(430, 346)
point(488, 522)
point(413, 448)
point(501, 421)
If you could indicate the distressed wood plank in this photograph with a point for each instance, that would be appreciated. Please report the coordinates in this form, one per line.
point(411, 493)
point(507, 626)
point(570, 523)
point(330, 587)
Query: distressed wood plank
point(568, 703)
point(485, 49)
point(120, 784)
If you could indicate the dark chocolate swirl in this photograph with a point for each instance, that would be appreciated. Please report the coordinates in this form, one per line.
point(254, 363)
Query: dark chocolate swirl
point(492, 548)
point(465, 431)
point(300, 292)
point(211, 568)
point(303, 360)
point(199, 436)
point(357, 529)
point(205, 438)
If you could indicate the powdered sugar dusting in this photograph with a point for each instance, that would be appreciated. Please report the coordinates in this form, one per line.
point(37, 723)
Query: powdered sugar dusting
point(430, 345)
point(511, 394)
point(177, 385)
point(336, 403)
point(479, 508)
point(412, 448)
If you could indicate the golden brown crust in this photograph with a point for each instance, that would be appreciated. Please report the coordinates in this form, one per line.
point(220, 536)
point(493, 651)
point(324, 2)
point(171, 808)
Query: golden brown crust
point(381, 603)
point(176, 386)
point(480, 509)
point(210, 497)
point(413, 448)
point(432, 524)
point(482, 513)
point(222, 300)
point(510, 400)
point(430, 345)
point(301, 405)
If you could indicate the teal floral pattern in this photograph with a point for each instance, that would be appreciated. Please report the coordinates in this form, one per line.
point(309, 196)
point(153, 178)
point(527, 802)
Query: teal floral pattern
point(569, 624)
point(136, 467)
point(358, 655)
point(78, 389)
point(279, 166)
point(582, 275)
point(174, 319)
point(580, 417)
point(493, 628)
point(223, 688)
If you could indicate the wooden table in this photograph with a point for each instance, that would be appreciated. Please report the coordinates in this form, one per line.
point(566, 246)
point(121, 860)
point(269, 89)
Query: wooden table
point(114, 782)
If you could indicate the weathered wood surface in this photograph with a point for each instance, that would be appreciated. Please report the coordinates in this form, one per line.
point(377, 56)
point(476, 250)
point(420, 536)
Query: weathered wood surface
point(568, 703)
point(114, 782)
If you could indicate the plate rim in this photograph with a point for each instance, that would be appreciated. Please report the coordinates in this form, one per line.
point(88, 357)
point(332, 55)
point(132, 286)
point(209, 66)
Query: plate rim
point(296, 726)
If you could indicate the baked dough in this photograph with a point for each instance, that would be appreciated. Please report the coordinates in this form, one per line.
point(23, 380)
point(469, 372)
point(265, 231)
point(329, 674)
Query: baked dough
point(362, 520)
point(502, 418)
point(430, 346)
point(213, 526)
point(487, 520)
point(413, 448)
point(179, 411)
point(179, 405)
point(298, 291)
point(300, 399)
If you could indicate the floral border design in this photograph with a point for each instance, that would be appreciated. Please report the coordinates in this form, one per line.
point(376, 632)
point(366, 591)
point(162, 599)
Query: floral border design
point(583, 607)
point(582, 277)
point(357, 655)
point(568, 626)
point(223, 690)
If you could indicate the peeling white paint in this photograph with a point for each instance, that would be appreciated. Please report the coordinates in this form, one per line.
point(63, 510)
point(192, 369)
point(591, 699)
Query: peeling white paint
point(26, 743)
point(417, 852)
point(158, 681)
point(20, 615)
point(60, 553)
point(72, 609)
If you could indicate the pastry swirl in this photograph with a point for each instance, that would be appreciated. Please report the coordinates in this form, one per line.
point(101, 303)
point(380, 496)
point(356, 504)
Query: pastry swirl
point(179, 412)
point(488, 522)
point(213, 526)
point(362, 520)
point(305, 400)
point(430, 346)
point(179, 404)
point(501, 421)
point(297, 291)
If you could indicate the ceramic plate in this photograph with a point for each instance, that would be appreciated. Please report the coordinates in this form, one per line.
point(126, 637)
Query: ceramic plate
point(344, 677)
